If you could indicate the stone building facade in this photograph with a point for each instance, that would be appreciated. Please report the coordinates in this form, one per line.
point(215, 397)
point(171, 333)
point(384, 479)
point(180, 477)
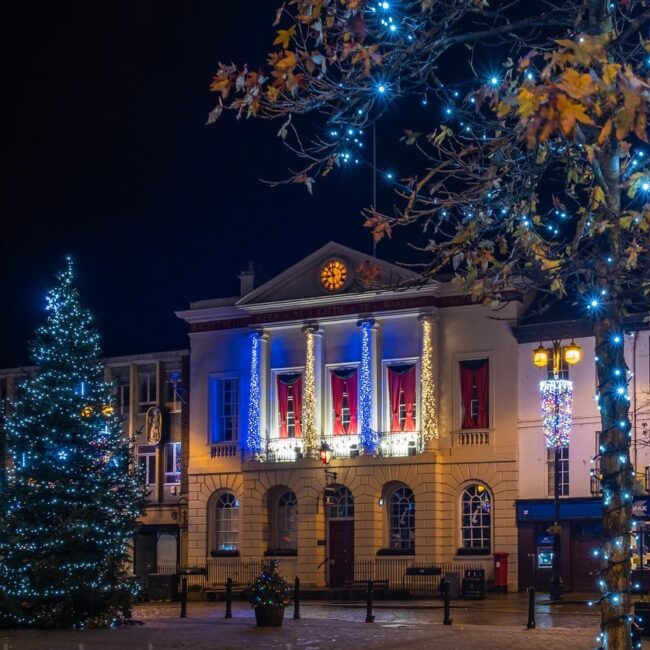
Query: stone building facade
point(414, 389)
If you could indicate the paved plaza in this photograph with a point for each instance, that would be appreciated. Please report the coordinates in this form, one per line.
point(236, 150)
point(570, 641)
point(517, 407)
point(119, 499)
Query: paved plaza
point(497, 623)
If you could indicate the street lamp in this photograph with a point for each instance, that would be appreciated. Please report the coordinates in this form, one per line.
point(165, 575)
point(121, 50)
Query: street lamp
point(325, 454)
point(556, 397)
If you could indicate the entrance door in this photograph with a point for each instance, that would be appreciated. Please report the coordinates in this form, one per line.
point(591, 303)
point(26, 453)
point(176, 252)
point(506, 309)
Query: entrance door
point(584, 566)
point(341, 551)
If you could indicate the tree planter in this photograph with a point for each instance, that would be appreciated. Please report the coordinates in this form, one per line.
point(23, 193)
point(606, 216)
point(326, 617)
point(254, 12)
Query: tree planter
point(269, 615)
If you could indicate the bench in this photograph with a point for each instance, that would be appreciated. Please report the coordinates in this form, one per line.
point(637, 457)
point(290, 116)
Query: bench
point(426, 574)
point(215, 590)
point(361, 586)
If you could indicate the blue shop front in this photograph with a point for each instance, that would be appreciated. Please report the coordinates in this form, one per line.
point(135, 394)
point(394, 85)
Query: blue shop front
point(580, 534)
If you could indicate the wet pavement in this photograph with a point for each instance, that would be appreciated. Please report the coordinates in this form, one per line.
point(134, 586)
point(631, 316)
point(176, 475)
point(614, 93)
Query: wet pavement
point(496, 623)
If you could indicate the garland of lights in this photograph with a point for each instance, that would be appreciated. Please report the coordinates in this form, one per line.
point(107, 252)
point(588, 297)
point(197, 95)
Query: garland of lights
point(71, 500)
point(254, 435)
point(367, 437)
point(309, 394)
point(556, 401)
point(429, 415)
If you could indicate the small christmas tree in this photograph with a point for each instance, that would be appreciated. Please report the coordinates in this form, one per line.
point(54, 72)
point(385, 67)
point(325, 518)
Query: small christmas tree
point(269, 589)
point(71, 499)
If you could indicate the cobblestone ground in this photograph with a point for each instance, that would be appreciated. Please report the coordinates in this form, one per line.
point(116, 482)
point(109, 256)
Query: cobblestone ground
point(493, 624)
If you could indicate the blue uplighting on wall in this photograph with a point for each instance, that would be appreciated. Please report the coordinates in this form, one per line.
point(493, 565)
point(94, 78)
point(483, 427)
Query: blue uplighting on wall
point(367, 437)
point(254, 434)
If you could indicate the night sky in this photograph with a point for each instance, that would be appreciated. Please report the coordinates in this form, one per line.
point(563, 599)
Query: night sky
point(106, 156)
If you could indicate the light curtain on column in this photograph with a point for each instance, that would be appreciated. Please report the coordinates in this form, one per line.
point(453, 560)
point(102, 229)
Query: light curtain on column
point(290, 385)
point(344, 381)
point(401, 385)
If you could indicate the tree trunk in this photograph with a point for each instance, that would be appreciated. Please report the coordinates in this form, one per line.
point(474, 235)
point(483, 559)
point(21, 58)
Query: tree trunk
point(618, 481)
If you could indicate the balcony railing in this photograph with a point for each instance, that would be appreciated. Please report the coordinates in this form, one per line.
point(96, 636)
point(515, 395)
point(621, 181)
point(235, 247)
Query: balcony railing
point(389, 444)
point(471, 438)
point(595, 483)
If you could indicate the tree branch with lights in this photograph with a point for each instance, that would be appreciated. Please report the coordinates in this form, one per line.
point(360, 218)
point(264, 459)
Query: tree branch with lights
point(530, 176)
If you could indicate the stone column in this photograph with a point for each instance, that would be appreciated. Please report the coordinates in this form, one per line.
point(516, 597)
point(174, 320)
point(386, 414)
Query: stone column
point(311, 390)
point(428, 382)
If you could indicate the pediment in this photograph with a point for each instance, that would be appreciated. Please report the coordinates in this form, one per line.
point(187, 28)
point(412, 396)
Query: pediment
point(302, 281)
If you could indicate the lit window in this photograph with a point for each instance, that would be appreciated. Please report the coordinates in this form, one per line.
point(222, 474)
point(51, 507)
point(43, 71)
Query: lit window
point(475, 394)
point(225, 410)
point(287, 510)
point(564, 368)
point(227, 523)
point(401, 515)
point(173, 462)
point(402, 396)
point(341, 503)
point(476, 520)
point(146, 388)
point(172, 385)
point(289, 387)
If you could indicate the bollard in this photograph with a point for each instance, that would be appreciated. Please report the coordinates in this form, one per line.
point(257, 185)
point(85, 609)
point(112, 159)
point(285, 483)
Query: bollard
point(296, 598)
point(531, 608)
point(184, 597)
point(369, 617)
point(444, 588)
point(229, 598)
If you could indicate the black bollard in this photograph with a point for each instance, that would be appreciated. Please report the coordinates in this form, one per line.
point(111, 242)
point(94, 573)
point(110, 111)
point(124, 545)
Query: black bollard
point(444, 588)
point(369, 617)
point(531, 608)
point(229, 598)
point(296, 598)
point(184, 597)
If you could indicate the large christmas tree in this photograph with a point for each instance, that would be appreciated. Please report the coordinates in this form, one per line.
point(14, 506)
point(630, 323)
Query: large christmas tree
point(71, 498)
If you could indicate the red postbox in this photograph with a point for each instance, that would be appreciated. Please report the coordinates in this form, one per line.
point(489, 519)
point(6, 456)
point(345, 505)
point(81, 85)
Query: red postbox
point(501, 572)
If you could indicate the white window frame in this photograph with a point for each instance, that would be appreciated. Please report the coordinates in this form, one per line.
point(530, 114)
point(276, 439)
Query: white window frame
point(148, 374)
point(564, 367)
point(460, 528)
point(329, 402)
point(232, 520)
point(215, 414)
point(176, 457)
point(457, 397)
point(275, 405)
point(149, 457)
point(286, 521)
point(391, 495)
point(386, 415)
point(565, 460)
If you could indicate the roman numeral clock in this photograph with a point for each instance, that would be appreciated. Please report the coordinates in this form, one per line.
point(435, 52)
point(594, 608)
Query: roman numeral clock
point(334, 275)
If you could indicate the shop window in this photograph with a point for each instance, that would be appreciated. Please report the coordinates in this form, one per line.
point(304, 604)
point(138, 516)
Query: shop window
point(474, 393)
point(475, 520)
point(564, 472)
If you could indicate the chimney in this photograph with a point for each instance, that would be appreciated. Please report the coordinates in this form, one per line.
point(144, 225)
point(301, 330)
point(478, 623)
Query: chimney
point(247, 280)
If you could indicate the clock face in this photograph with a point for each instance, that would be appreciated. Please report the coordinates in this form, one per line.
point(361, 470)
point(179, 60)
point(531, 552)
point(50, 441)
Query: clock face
point(333, 275)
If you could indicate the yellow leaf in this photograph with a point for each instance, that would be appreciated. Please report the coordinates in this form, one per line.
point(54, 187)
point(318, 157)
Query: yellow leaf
point(284, 36)
point(288, 62)
point(577, 85)
point(610, 72)
point(597, 196)
point(605, 132)
point(570, 113)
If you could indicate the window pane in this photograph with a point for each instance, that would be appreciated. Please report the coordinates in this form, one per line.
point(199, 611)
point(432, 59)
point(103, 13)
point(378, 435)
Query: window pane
point(476, 514)
point(402, 520)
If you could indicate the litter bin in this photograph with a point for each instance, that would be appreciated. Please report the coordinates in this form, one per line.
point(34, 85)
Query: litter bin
point(474, 583)
point(501, 572)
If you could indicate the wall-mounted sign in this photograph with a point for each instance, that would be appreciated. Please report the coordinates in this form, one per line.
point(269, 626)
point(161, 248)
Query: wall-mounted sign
point(154, 425)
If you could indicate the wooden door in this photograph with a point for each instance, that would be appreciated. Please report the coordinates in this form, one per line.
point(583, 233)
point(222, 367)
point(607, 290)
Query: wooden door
point(341, 552)
point(584, 566)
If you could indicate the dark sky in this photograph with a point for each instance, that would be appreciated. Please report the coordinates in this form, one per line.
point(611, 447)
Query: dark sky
point(106, 156)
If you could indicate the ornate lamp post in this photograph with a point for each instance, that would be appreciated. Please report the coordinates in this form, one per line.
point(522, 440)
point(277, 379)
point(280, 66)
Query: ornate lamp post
point(556, 402)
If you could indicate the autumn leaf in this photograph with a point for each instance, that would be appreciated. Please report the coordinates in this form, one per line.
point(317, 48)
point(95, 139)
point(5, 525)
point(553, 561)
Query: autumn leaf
point(605, 132)
point(576, 85)
point(570, 113)
point(288, 62)
point(597, 197)
point(284, 37)
point(610, 72)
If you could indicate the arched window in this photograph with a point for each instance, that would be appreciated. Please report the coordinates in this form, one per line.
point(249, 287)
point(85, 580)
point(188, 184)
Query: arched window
point(475, 520)
point(226, 523)
point(286, 523)
point(401, 520)
point(341, 503)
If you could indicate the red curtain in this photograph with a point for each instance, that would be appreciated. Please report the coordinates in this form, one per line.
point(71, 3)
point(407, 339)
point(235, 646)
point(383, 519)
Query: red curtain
point(283, 399)
point(408, 388)
point(394, 386)
point(337, 400)
point(297, 405)
point(353, 400)
point(482, 387)
point(474, 374)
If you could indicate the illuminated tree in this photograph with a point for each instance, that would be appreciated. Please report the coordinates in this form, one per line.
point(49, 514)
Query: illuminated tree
point(70, 500)
point(531, 176)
